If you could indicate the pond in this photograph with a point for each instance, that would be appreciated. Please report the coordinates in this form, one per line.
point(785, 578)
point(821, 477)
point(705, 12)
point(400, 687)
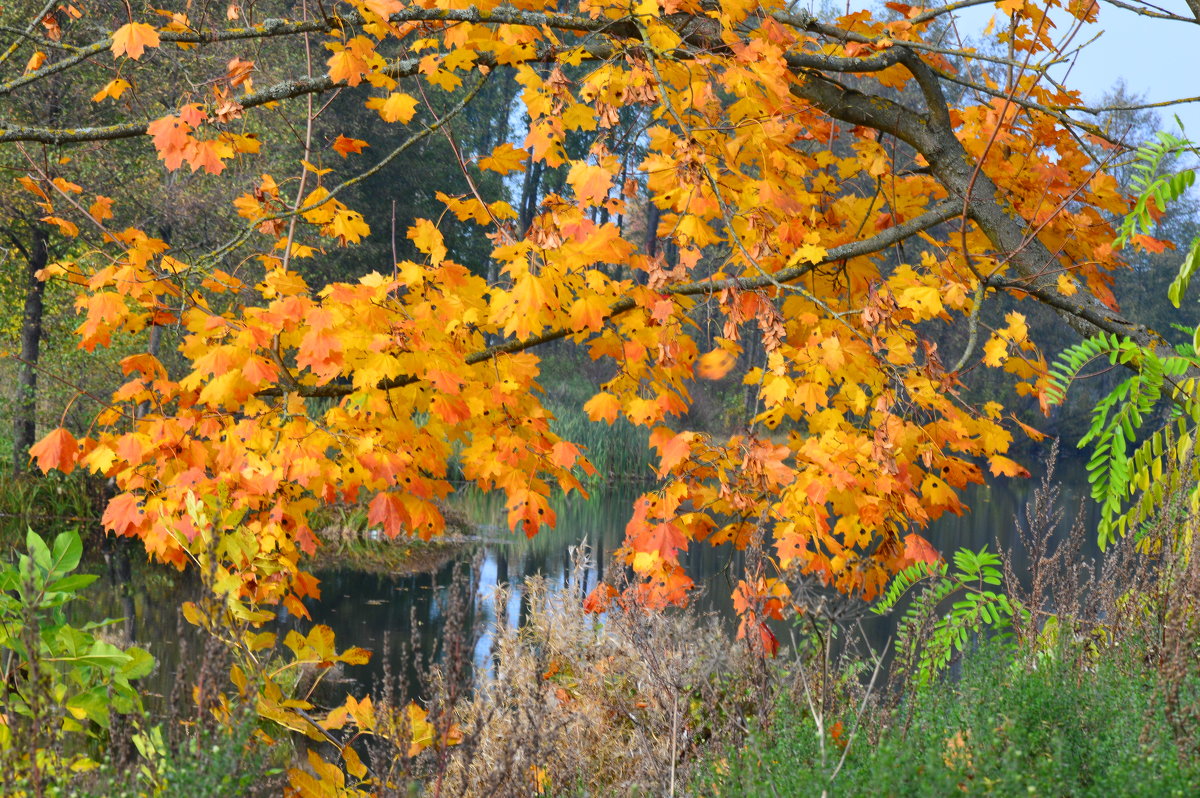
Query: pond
point(395, 616)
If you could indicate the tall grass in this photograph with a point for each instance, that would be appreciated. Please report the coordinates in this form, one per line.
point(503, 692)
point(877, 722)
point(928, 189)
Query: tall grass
point(46, 504)
point(620, 452)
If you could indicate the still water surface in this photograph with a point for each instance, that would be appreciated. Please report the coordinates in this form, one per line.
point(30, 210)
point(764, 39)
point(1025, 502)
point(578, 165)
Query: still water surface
point(391, 615)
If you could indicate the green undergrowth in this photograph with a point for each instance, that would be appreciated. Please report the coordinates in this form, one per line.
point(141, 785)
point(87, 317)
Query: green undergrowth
point(1003, 728)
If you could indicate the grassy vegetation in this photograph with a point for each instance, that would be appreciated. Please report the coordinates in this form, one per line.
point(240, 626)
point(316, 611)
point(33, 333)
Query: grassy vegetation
point(618, 451)
point(1002, 729)
point(46, 504)
point(1095, 691)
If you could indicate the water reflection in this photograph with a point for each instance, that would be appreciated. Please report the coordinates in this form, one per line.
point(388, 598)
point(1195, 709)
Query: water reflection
point(402, 619)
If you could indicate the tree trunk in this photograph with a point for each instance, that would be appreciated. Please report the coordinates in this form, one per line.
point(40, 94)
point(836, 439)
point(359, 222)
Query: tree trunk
point(25, 412)
point(529, 195)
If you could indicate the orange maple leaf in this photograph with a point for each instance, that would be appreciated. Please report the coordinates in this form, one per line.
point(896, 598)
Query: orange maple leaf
point(564, 454)
point(603, 406)
point(1001, 465)
point(171, 137)
point(133, 39)
point(57, 450)
point(344, 146)
point(589, 312)
point(123, 515)
point(672, 449)
point(663, 538)
point(350, 62)
point(591, 183)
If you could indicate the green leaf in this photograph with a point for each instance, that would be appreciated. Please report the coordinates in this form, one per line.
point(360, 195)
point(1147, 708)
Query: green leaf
point(68, 550)
point(91, 704)
point(39, 551)
point(72, 584)
point(100, 654)
point(141, 663)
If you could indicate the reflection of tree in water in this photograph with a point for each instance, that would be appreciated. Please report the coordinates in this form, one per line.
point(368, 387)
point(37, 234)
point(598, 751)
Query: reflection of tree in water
point(505, 559)
point(408, 622)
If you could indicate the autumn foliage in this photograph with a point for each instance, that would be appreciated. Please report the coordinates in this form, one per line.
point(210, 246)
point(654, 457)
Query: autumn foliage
point(823, 187)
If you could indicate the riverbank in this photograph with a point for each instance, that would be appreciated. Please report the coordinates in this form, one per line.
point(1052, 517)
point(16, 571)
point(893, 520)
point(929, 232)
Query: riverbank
point(348, 542)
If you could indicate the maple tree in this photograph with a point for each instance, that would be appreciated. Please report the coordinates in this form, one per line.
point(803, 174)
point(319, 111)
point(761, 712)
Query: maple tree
point(834, 188)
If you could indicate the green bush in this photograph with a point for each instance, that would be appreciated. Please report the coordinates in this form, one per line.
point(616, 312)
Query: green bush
point(60, 684)
point(1002, 729)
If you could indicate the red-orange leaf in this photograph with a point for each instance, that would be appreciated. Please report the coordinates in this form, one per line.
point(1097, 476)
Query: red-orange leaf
point(123, 515)
point(917, 549)
point(57, 450)
point(345, 146)
point(387, 510)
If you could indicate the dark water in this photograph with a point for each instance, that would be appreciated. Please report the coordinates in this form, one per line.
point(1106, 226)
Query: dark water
point(403, 618)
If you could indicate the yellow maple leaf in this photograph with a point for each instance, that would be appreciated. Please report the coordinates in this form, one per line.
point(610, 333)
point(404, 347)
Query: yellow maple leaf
point(579, 116)
point(808, 253)
point(995, 351)
point(1017, 330)
point(589, 312)
point(776, 390)
point(348, 226)
point(428, 239)
point(445, 80)
point(396, 107)
point(114, 88)
point(938, 493)
point(1067, 286)
point(504, 159)
point(925, 300)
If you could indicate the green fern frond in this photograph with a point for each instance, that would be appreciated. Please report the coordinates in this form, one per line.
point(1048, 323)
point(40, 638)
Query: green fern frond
point(925, 640)
point(903, 581)
point(1153, 188)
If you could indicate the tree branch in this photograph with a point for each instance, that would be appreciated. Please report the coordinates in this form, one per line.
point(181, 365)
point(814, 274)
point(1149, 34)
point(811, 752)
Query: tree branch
point(288, 89)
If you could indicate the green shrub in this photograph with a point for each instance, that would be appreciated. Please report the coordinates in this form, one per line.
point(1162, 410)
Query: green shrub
point(60, 684)
point(1002, 729)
